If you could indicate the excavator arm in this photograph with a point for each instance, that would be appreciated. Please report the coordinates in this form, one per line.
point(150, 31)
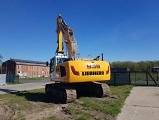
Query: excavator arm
point(64, 31)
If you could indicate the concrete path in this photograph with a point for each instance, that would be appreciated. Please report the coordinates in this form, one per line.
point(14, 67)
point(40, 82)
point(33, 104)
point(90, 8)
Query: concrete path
point(142, 104)
point(22, 87)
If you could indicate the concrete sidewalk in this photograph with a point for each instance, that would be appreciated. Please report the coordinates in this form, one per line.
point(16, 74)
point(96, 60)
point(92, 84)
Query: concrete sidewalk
point(142, 104)
point(22, 87)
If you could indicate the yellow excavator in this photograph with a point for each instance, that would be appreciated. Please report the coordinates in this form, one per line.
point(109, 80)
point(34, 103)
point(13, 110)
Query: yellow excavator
point(74, 77)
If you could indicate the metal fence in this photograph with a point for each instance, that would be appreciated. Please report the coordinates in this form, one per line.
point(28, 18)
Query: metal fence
point(117, 78)
point(12, 78)
point(134, 78)
point(144, 78)
point(120, 78)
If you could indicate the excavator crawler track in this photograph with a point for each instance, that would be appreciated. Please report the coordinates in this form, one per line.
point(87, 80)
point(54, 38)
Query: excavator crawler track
point(105, 90)
point(66, 93)
point(60, 93)
point(93, 89)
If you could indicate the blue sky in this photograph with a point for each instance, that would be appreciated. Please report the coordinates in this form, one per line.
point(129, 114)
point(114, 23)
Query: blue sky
point(124, 30)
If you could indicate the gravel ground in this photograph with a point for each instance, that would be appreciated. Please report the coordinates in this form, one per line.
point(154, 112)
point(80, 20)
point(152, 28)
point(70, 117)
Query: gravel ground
point(142, 104)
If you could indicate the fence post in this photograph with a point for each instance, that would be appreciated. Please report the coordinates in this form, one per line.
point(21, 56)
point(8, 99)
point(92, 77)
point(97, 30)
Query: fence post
point(135, 77)
point(114, 78)
point(152, 78)
point(129, 78)
point(147, 78)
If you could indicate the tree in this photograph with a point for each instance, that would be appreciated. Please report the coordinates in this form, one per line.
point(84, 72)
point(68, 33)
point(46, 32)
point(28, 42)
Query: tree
point(1, 57)
point(135, 66)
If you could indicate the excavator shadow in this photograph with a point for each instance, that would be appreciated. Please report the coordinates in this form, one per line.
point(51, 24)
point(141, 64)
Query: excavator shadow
point(35, 97)
point(42, 97)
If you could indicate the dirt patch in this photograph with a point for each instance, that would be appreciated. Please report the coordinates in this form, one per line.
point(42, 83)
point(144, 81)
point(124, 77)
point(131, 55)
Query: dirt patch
point(56, 111)
point(40, 111)
point(36, 113)
point(34, 105)
point(5, 112)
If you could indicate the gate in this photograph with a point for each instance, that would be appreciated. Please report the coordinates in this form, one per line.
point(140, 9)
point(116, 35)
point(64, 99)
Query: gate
point(12, 78)
point(144, 78)
point(134, 78)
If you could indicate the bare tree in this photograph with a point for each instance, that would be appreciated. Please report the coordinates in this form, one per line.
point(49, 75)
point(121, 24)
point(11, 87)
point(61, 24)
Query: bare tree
point(1, 57)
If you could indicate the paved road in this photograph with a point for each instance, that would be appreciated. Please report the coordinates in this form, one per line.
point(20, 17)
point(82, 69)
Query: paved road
point(142, 104)
point(22, 87)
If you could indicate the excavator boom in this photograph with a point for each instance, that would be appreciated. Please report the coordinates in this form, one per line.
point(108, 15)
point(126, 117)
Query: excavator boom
point(64, 31)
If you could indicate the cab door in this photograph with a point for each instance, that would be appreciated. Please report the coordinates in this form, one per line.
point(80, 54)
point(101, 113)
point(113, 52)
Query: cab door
point(53, 67)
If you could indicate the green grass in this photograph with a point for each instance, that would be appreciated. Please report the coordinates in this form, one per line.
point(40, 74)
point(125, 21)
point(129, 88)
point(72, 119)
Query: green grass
point(24, 100)
point(10, 83)
point(15, 102)
point(80, 114)
point(109, 106)
point(27, 101)
point(120, 92)
point(19, 80)
point(36, 78)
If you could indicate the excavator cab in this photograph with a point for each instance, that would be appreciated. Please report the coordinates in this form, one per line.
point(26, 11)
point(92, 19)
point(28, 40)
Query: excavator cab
point(58, 59)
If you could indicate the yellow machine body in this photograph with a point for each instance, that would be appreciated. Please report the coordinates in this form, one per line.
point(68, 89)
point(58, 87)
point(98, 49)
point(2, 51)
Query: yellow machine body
point(74, 77)
point(82, 71)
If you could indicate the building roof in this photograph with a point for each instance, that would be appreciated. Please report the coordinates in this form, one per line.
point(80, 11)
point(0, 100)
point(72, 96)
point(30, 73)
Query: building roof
point(27, 61)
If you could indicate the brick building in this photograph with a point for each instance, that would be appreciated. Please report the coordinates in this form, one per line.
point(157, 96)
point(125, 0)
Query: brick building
point(25, 68)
